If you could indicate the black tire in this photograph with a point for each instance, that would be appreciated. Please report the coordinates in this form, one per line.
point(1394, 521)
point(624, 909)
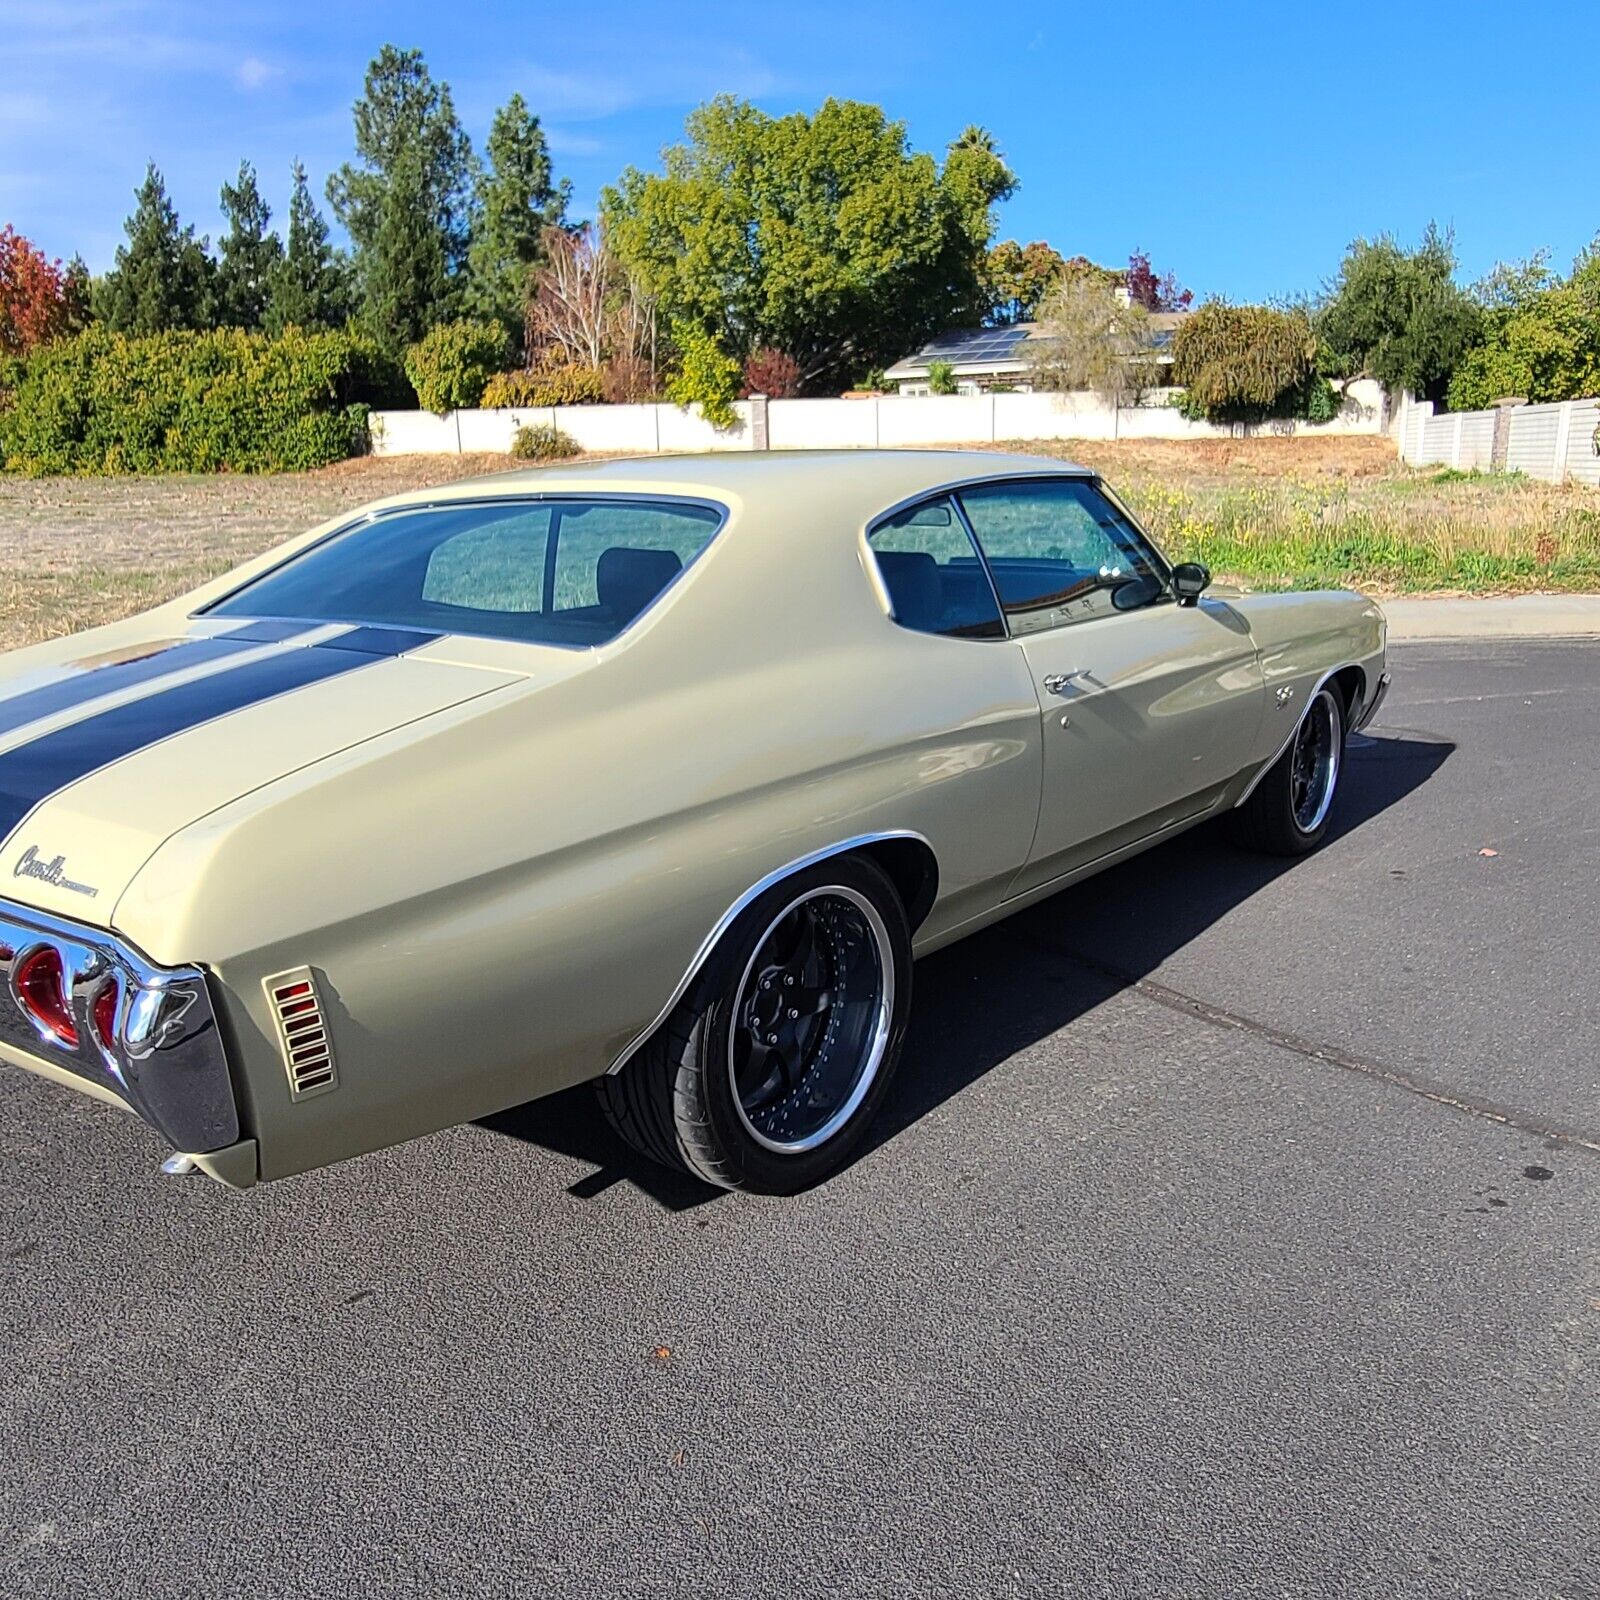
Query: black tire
point(1289, 810)
point(676, 1101)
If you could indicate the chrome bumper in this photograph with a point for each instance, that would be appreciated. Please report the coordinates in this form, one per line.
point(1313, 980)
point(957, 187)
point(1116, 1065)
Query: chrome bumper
point(1370, 709)
point(161, 1052)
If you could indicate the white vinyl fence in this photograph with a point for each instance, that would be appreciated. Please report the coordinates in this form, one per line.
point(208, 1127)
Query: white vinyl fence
point(837, 424)
point(1555, 442)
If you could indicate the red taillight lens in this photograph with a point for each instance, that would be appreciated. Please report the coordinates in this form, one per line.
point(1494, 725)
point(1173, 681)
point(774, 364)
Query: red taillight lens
point(41, 986)
point(103, 1013)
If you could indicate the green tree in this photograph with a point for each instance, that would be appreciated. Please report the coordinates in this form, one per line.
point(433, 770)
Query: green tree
point(705, 376)
point(823, 235)
point(1542, 336)
point(1090, 341)
point(1399, 316)
point(310, 285)
point(517, 200)
point(406, 202)
point(162, 277)
point(1018, 277)
point(1247, 363)
point(249, 255)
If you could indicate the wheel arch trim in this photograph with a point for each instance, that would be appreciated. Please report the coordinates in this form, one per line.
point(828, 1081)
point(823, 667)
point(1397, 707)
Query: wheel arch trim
point(1299, 722)
point(856, 842)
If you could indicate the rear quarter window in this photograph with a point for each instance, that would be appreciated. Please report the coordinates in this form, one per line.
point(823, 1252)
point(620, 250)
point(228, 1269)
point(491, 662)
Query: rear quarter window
point(559, 571)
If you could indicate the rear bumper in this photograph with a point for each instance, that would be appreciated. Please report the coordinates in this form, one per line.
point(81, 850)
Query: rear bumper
point(131, 1032)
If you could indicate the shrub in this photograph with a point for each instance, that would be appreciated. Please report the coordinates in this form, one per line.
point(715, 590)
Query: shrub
point(1243, 363)
point(941, 378)
point(1319, 401)
point(451, 365)
point(772, 373)
point(628, 380)
point(707, 376)
point(562, 384)
point(543, 441)
point(224, 401)
point(568, 383)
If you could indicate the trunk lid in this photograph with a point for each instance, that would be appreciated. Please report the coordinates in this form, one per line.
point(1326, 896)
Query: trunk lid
point(102, 761)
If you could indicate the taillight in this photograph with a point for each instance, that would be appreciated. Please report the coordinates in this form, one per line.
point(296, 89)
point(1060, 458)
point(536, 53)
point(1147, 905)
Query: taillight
point(41, 989)
point(103, 1013)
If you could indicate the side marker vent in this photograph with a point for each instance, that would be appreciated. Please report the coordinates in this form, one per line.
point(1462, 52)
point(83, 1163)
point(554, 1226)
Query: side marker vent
point(302, 1033)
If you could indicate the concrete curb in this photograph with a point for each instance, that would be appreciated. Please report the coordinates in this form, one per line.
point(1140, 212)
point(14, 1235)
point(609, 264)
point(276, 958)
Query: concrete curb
point(1523, 616)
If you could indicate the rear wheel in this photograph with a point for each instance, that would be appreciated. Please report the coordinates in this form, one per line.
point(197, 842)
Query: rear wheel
point(768, 1072)
point(1287, 814)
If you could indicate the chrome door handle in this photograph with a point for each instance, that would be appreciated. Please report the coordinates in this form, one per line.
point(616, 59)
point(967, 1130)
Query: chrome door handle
point(1060, 682)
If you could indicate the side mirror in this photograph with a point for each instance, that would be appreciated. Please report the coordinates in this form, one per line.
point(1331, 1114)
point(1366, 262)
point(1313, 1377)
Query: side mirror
point(1190, 579)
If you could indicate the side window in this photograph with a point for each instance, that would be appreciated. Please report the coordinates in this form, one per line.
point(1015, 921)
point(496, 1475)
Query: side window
point(1060, 552)
point(935, 580)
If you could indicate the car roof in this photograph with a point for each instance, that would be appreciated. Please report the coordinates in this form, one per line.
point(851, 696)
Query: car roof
point(873, 479)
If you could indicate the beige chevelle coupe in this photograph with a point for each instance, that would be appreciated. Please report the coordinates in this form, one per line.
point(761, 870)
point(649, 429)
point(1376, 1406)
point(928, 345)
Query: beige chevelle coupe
point(657, 773)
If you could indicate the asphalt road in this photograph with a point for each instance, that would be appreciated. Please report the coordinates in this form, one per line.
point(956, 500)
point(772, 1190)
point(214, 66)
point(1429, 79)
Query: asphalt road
point(1235, 1231)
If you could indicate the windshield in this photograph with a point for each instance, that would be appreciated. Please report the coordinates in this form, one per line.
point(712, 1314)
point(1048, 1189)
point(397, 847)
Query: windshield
point(566, 572)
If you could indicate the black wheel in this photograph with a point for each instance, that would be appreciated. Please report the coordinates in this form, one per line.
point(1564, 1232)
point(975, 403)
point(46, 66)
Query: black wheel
point(1287, 815)
point(769, 1070)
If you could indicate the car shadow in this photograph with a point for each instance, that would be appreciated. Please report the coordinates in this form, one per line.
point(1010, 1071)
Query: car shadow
point(1126, 921)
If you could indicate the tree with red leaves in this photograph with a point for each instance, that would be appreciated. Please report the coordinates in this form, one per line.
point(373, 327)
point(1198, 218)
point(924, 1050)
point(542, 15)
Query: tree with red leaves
point(39, 298)
point(1154, 293)
point(772, 373)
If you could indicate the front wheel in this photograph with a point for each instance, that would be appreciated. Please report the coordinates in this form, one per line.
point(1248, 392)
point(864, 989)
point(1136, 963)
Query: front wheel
point(1287, 814)
point(767, 1074)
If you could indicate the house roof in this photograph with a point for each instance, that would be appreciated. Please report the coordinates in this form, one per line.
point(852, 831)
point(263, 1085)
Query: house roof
point(996, 350)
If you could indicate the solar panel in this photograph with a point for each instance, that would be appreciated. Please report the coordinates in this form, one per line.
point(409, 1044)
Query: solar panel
point(972, 344)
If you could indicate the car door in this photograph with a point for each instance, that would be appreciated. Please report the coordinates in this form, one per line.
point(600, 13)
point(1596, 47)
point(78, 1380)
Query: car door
point(1147, 707)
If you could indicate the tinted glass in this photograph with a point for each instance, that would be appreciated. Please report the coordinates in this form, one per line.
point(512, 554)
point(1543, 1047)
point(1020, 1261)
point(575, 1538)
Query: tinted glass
point(1059, 551)
point(568, 572)
point(935, 581)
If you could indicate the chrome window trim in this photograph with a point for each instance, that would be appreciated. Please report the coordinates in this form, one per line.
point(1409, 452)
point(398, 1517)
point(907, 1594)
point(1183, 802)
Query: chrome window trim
point(882, 586)
point(167, 1061)
point(726, 920)
point(530, 497)
point(1163, 569)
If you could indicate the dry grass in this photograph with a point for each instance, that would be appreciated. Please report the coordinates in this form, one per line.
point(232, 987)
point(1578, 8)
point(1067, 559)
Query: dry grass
point(1275, 513)
point(1312, 513)
point(79, 551)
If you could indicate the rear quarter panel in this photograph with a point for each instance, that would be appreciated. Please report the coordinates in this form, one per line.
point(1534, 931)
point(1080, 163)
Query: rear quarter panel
point(498, 902)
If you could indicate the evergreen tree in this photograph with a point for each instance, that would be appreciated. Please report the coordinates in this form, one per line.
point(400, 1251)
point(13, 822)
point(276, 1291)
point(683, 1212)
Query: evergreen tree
point(250, 255)
point(516, 201)
point(310, 287)
point(162, 277)
point(407, 204)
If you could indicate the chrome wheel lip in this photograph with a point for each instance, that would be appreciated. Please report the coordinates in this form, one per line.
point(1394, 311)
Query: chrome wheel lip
point(878, 1042)
point(1321, 718)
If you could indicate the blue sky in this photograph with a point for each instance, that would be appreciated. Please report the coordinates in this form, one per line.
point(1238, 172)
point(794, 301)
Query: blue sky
point(1241, 145)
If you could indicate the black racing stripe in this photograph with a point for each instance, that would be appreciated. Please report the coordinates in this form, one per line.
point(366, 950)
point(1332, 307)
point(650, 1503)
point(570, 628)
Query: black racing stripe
point(271, 632)
point(79, 688)
point(31, 772)
point(379, 641)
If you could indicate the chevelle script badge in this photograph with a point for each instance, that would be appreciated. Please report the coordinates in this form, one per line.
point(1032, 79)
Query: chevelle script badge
point(51, 872)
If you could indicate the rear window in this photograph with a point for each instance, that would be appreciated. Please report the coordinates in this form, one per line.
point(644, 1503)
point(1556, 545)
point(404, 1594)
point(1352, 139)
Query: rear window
point(565, 572)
